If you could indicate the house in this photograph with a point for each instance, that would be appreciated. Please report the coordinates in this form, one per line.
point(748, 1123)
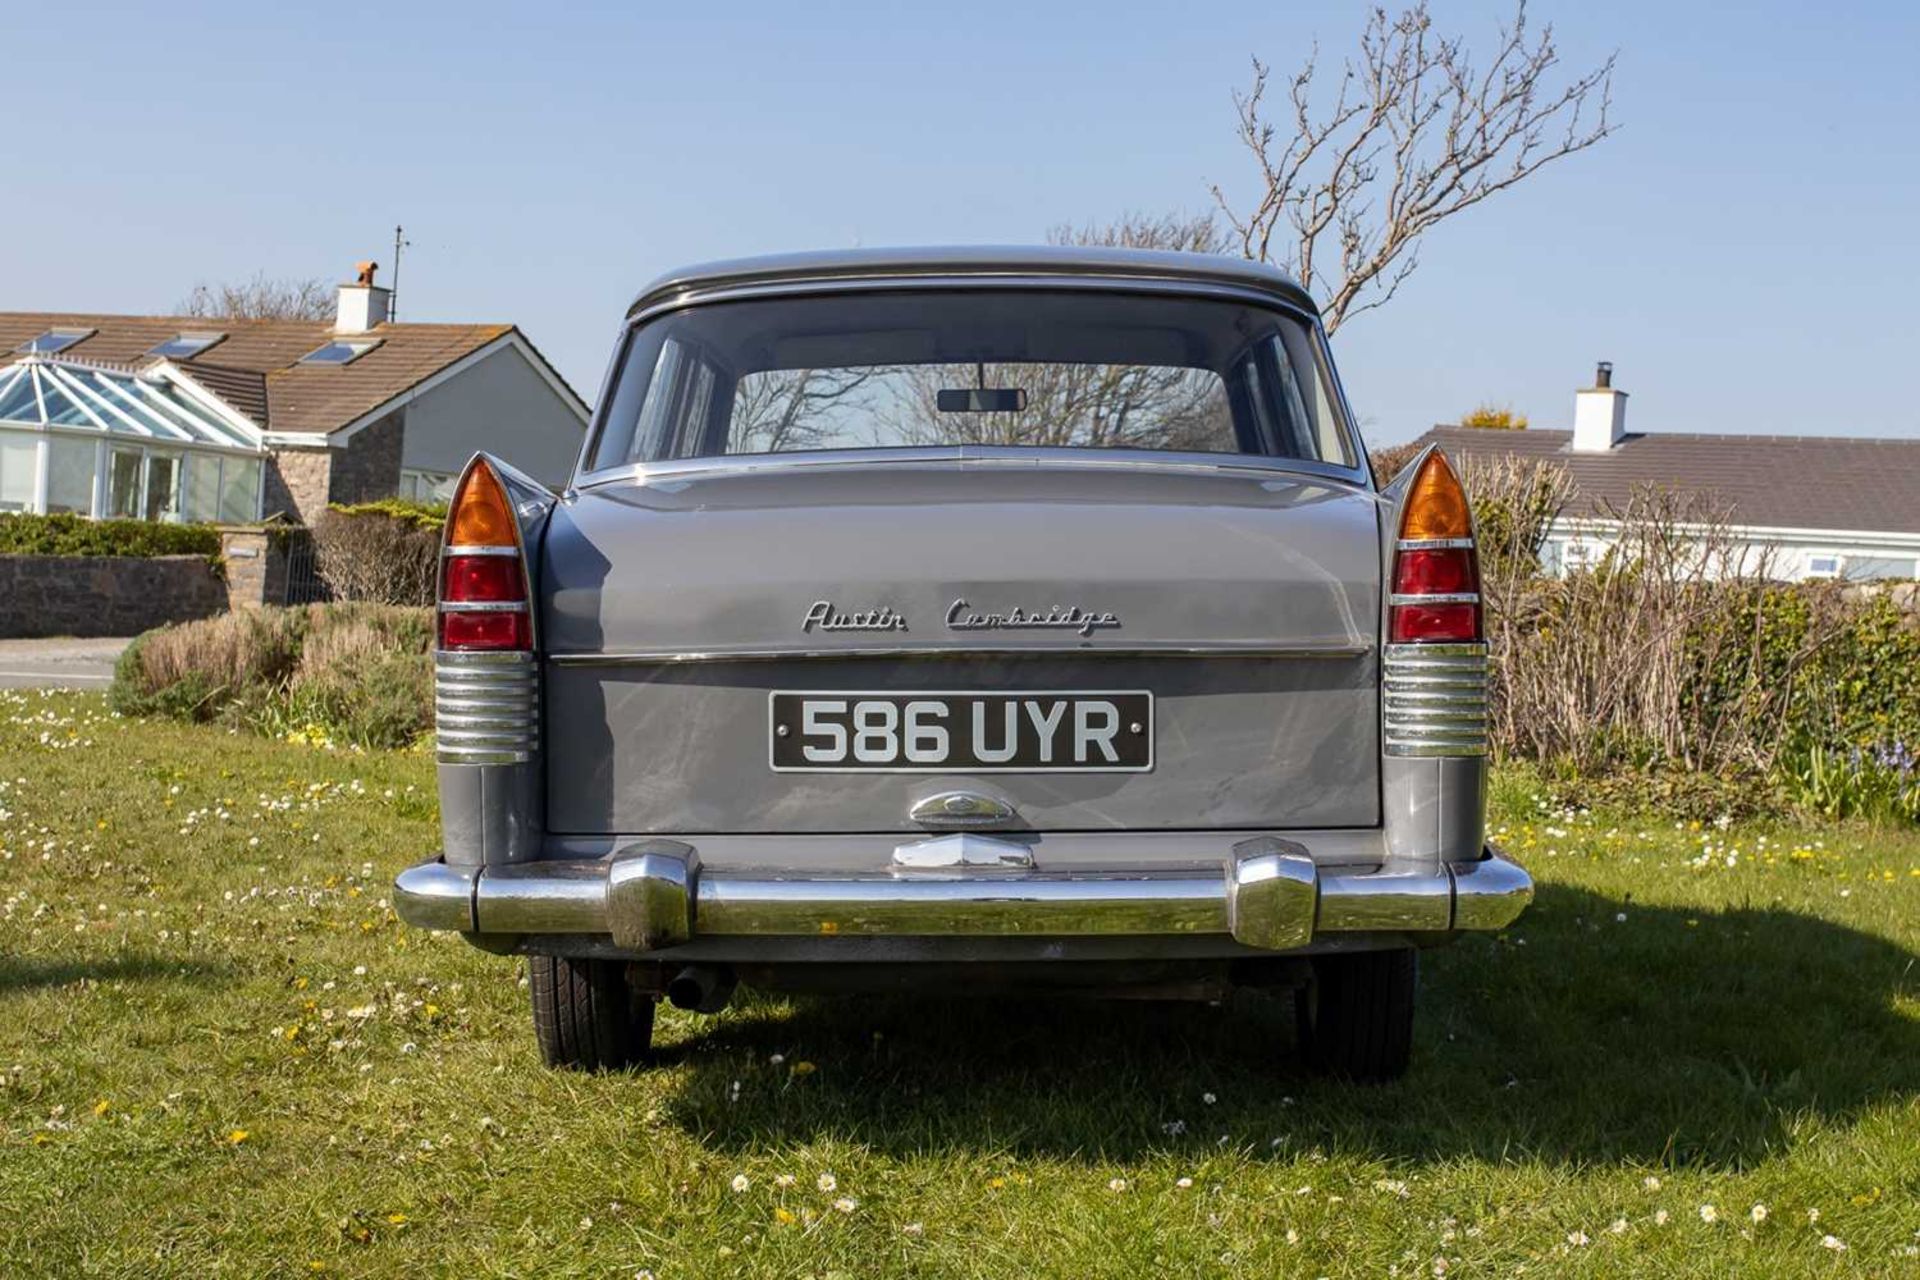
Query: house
point(1802, 506)
point(187, 418)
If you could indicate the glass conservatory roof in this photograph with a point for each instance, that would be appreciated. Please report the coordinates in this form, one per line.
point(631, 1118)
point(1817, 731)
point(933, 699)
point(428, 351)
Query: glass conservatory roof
point(38, 392)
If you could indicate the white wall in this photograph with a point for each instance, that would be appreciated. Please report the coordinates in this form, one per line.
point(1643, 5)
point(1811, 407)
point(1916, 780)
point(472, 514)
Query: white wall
point(501, 405)
point(1782, 553)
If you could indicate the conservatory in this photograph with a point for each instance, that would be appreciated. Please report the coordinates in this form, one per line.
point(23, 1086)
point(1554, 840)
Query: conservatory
point(101, 440)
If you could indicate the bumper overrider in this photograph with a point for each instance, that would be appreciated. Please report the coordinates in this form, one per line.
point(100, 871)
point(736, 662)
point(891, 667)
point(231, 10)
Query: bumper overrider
point(1267, 894)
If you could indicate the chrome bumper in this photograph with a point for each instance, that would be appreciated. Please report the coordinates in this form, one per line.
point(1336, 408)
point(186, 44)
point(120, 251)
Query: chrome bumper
point(656, 895)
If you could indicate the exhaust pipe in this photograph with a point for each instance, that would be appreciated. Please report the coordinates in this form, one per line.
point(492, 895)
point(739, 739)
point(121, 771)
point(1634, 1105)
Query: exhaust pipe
point(701, 988)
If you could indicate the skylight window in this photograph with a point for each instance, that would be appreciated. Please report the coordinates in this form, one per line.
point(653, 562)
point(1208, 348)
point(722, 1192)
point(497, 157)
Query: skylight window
point(338, 353)
point(54, 340)
point(185, 345)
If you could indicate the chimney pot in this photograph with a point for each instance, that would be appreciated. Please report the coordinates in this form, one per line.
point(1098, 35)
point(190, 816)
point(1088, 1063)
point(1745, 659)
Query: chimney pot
point(1602, 376)
point(362, 304)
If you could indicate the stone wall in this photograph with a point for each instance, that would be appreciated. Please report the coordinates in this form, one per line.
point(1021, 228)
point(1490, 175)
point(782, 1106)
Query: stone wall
point(298, 482)
point(104, 595)
point(256, 566)
point(369, 466)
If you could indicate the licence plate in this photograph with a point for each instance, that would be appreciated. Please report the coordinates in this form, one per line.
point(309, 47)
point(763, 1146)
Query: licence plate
point(1068, 732)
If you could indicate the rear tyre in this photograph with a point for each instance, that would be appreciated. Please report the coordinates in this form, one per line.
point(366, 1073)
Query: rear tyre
point(586, 1015)
point(1356, 1014)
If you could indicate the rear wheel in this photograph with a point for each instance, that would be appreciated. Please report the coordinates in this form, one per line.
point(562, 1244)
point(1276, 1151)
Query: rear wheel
point(587, 1015)
point(1356, 1014)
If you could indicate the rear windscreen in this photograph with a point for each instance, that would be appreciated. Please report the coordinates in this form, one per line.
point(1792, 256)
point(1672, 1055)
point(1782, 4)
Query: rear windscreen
point(1059, 369)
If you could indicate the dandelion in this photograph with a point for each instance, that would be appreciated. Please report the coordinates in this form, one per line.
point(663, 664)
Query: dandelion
point(397, 1219)
point(846, 1204)
point(1834, 1243)
point(1116, 1184)
point(101, 1107)
point(238, 1136)
point(777, 1059)
point(827, 1182)
point(804, 1068)
point(1208, 1098)
point(1758, 1213)
point(740, 1182)
point(1709, 1214)
point(784, 1217)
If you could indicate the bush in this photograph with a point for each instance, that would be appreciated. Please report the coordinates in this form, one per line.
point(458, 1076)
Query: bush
point(422, 515)
point(1492, 417)
point(26, 534)
point(372, 554)
point(357, 673)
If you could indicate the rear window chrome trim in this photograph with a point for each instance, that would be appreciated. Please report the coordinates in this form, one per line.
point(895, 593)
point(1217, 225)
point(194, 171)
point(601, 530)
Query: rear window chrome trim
point(669, 657)
point(1359, 474)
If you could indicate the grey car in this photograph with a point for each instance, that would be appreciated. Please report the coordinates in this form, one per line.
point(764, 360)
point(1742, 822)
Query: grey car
point(966, 619)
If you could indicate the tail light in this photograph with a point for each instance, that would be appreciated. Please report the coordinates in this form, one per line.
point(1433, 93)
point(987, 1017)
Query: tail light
point(483, 582)
point(486, 685)
point(1436, 576)
point(1434, 673)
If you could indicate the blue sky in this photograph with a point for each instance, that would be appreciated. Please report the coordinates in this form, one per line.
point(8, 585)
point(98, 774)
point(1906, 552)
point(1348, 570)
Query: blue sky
point(1743, 249)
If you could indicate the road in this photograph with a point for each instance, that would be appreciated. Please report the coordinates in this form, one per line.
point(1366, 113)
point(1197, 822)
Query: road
point(74, 664)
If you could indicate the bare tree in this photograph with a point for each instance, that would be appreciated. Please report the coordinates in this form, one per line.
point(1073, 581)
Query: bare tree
point(1188, 233)
point(261, 299)
point(1415, 133)
point(783, 409)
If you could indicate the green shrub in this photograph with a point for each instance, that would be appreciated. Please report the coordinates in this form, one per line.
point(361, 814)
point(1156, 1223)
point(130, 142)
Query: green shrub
point(70, 535)
point(357, 674)
point(422, 515)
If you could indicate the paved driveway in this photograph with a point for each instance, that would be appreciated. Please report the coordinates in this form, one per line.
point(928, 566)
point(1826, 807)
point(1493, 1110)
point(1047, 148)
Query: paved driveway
point(74, 664)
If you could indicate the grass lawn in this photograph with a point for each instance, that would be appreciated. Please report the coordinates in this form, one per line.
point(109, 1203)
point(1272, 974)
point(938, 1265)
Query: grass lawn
point(221, 1054)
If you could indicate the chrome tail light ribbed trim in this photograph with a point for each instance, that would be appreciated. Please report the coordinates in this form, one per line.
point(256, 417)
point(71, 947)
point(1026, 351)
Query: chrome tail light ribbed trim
point(486, 707)
point(1435, 699)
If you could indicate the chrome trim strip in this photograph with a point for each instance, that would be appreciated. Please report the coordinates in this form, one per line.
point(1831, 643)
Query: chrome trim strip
point(1438, 597)
point(1220, 649)
point(483, 606)
point(1268, 893)
point(486, 707)
point(1431, 544)
point(464, 550)
point(1433, 699)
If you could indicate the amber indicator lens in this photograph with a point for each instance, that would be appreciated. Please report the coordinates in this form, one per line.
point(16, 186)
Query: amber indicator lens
point(481, 516)
point(1436, 505)
point(486, 579)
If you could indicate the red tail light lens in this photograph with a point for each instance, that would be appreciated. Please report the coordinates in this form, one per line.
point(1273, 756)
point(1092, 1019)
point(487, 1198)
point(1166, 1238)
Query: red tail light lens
point(490, 579)
point(1436, 576)
point(492, 630)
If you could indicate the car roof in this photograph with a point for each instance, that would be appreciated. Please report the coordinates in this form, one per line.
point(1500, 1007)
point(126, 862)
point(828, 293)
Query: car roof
point(986, 261)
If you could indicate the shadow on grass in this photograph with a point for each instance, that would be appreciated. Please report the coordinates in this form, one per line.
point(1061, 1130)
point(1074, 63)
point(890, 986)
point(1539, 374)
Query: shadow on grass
point(1672, 1037)
point(18, 974)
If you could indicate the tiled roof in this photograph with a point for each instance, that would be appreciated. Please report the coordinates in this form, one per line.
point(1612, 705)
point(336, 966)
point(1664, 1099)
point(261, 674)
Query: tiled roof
point(255, 367)
point(1781, 482)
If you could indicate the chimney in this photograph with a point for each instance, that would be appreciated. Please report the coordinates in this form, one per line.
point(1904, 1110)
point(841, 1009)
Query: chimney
point(1599, 413)
point(363, 304)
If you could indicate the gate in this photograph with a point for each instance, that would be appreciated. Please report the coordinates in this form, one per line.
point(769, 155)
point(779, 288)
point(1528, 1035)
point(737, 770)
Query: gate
point(304, 583)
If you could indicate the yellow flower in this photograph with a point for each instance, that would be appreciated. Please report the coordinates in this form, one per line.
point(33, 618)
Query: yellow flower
point(238, 1136)
point(804, 1068)
point(101, 1107)
point(783, 1217)
point(397, 1219)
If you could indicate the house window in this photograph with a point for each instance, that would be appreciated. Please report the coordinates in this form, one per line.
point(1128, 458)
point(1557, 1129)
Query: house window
point(186, 345)
point(338, 352)
point(123, 484)
point(427, 486)
point(1872, 568)
point(54, 340)
point(19, 460)
point(1822, 566)
point(70, 475)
